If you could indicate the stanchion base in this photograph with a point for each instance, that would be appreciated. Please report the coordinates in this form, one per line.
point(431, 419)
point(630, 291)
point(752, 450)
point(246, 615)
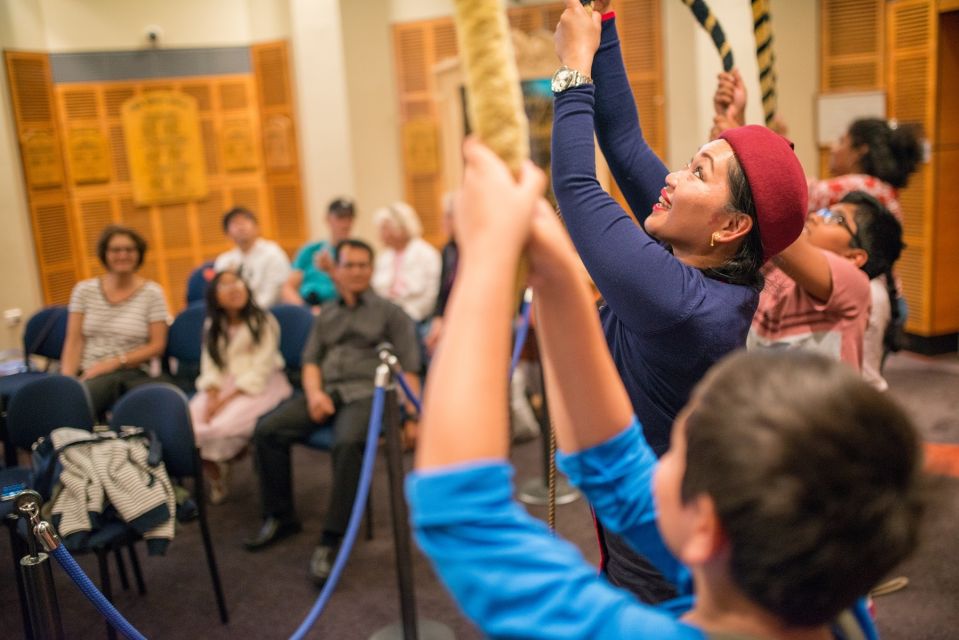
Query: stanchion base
point(425, 630)
point(536, 492)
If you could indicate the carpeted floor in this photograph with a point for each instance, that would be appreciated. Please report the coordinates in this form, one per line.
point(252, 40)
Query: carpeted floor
point(268, 593)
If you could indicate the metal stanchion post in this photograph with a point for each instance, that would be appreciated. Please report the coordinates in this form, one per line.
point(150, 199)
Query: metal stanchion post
point(536, 491)
point(41, 595)
point(409, 628)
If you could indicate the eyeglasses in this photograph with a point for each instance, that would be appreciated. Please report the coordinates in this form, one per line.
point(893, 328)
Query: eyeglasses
point(121, 250)
point(832, 217)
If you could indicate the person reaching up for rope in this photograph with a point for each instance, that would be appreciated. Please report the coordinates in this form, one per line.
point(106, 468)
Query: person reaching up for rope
point(747, 513)
point(682, 286)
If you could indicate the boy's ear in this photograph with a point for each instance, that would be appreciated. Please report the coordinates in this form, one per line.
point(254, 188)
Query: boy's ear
point(859, 257)
point(707, 538)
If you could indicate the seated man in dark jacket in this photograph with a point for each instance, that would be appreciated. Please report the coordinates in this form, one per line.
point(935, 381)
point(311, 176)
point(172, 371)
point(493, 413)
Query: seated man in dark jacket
point(339, 361)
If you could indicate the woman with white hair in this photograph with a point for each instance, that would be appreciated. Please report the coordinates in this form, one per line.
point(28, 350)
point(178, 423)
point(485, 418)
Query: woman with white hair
point(407, 270)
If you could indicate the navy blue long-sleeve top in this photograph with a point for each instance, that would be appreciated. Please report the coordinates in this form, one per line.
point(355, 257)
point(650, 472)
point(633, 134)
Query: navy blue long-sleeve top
point(665, 322)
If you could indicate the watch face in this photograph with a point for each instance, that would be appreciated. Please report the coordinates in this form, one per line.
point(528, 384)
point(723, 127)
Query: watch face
point(562, 79)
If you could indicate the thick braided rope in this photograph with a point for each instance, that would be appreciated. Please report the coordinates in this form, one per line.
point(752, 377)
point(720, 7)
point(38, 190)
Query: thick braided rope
point(494, 98)
point(765, 58)
point(709, 22)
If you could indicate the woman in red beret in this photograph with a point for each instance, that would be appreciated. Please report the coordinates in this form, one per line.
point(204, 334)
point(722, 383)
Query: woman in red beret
point(681, 287)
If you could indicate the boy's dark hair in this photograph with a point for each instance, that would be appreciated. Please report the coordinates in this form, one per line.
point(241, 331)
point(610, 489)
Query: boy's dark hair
point(107, 234)
point(355, 244)
point(237, 211)
point(341, 207)
point(814, 475)
point(880, 236)
point(893, 152)
point(744, 267)
point(878, 232)
point(251, 314)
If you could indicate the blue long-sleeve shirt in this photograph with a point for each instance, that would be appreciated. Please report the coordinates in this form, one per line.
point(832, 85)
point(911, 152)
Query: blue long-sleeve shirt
point(514, 580)
point(665, 322)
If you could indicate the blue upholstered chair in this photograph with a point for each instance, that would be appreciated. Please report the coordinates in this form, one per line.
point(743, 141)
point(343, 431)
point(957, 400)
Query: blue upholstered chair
point(163, 409)
point(39, 406)
point(44, 335)
point(197, 283)
point(184, 345)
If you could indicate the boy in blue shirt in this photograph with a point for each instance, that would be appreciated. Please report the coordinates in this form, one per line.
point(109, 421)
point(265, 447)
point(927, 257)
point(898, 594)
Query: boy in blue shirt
point(790, 486)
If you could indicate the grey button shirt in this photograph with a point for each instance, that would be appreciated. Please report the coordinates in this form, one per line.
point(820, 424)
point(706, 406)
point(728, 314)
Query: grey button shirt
point(343, 343)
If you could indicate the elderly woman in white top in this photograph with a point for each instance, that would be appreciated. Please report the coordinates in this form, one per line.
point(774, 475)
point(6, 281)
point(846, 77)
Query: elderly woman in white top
point(241, 376)
point(117, 322)
point(407, 270)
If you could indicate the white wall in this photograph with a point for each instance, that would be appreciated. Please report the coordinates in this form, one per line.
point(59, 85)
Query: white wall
point(371, 87)
point(21, 27)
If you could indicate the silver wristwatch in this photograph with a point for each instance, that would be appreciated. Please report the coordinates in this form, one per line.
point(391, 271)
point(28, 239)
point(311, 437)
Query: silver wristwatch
point(566, 78)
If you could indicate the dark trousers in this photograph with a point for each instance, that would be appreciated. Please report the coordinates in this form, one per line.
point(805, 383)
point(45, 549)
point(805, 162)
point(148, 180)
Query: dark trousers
point(290, 423)
point(627, 569)
point(105, 390)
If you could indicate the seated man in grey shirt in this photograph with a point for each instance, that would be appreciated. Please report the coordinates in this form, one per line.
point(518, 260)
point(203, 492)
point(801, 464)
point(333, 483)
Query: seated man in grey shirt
point(339, 361)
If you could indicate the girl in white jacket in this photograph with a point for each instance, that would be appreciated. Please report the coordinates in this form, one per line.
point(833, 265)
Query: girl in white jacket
point(241, 376)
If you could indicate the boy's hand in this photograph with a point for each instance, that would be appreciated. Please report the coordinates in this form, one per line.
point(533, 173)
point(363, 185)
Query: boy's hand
point(551, 252)
point(577, 36)
point(493, 209)
point(729, 101)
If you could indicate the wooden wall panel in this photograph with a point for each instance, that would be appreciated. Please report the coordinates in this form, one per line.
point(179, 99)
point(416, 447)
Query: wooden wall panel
point(945, 240)
point(911, 36)
point(54, 232)
point(72, 205)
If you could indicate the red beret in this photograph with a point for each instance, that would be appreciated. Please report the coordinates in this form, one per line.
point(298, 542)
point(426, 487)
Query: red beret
point(777, 181)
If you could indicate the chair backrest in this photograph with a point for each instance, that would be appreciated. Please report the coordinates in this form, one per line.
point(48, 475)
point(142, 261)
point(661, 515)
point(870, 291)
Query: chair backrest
point(45, 333)
point(46, 404)
point(184, 344)
point(295, 323)
point(162, 409)
point(197, 283)
point(185, 337)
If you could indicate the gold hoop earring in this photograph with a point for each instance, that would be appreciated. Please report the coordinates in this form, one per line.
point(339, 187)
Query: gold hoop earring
point(712, 239)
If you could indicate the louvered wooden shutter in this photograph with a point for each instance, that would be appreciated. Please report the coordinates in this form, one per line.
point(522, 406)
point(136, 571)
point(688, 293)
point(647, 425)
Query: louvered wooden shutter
point(284, 196)
point(41, 154)
point(911, 33)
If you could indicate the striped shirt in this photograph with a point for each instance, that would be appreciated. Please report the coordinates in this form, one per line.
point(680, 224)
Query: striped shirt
point(111, 329)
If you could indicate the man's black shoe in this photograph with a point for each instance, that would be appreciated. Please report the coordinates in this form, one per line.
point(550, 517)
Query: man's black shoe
point(321, 563)
point(272, 530)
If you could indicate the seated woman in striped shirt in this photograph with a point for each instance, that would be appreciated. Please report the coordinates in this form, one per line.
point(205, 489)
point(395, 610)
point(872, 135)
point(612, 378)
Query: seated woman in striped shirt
point(117, 322)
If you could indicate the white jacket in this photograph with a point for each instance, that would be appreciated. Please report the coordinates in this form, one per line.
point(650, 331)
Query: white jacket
point(250, 364)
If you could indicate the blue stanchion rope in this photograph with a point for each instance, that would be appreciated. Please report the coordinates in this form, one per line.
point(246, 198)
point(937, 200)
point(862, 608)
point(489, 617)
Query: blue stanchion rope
point(114, 617)
point(356, 515)
point(522, 330)
point(404, 385)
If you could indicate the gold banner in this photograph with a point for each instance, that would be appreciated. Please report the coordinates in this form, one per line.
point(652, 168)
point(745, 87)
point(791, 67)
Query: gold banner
point(164, 148)
point(239, 145)
point(420, 147)
point(88, 155)
point(41, 158)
